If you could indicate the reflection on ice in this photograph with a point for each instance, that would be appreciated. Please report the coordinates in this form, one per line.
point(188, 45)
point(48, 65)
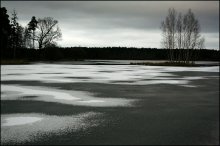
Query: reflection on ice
point(17, 129)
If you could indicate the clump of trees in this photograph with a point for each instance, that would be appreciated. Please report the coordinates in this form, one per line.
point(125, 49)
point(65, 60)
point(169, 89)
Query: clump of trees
point(42, 32)
point(181, 35)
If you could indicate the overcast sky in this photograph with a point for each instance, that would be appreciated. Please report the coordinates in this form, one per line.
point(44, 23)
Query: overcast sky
point(116, 23)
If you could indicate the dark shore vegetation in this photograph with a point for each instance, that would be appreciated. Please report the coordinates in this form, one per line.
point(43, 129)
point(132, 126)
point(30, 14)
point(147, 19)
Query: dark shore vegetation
point(25, 55)
point(14, 61)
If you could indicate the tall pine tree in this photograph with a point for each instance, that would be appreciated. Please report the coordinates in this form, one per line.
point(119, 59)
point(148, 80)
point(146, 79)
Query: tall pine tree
point(32, 25)
point(5, 31)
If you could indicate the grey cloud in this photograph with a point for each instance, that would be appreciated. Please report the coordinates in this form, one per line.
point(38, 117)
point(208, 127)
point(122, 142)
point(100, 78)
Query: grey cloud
point(138, 15)
point(102, 16)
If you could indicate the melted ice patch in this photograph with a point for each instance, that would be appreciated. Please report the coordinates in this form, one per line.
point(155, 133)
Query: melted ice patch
point(13, 121)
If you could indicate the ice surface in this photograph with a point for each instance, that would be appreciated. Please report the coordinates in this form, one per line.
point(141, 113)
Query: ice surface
point(108, 74)
point(18, 128)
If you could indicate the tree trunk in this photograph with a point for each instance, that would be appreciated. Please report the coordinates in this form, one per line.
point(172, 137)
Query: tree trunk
point(33, 38)
point(14, 53)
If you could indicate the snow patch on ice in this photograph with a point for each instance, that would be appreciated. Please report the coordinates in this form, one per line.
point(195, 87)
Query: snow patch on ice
point(61, 96)
point(92, 101)
point(43, 125)
point(28, 91)
point(191, 86)
point(13, 121)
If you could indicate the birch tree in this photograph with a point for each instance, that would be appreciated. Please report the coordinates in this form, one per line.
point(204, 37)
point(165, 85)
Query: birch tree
point(183, 33)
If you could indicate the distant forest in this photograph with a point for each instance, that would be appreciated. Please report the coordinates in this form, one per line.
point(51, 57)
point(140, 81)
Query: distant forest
point(120, 53)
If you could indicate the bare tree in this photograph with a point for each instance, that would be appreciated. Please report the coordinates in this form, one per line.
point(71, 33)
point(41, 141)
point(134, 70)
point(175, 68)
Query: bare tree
point(192, 31)
point(48, 32)
point(200, 45)
point(179, 30)
point(169, 31)
point(182, 33)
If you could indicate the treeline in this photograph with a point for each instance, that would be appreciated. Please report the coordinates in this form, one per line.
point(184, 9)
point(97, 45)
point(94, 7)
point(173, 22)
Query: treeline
point(119, 53)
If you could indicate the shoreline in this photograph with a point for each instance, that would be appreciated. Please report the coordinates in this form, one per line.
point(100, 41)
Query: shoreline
point(110, 62)
point(175, 64)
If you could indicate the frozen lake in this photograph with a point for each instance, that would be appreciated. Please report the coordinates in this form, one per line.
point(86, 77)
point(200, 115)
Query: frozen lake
point(69, 103)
